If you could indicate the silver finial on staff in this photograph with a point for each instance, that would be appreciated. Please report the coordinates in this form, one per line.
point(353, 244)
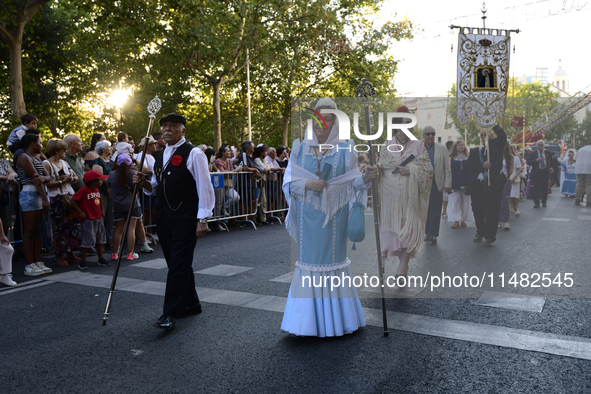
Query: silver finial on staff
point(365, 94)
point(153, 108)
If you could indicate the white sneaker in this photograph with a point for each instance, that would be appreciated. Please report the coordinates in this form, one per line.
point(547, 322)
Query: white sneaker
point(146, 249)
point(517, 213)
point(7, 279)
point(135, 255)
point(33, 270)
point(46, 270)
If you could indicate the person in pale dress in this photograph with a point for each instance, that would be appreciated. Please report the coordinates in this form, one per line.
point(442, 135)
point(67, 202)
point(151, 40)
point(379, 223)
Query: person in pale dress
point(460, 205)
point(317, 220)
point(515, 178)
point(448, 145)
point(569, 178)
point(404, 197)
point(508, 164)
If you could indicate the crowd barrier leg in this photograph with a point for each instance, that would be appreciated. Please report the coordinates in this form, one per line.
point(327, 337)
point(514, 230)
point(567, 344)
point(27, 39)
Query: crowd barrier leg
point(235, 199)
point(276, 203)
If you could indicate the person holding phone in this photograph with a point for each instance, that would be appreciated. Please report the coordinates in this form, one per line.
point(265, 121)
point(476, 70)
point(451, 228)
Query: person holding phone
point(67, 227)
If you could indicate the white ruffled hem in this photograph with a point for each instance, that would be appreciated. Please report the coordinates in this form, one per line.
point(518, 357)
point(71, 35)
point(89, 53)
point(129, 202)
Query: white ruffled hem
point(322, 268)
point(322, 311)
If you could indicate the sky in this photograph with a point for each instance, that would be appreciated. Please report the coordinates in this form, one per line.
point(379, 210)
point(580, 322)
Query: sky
point(550, 30)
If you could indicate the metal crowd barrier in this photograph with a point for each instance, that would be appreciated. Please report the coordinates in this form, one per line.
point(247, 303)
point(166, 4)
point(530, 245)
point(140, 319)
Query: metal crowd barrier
point(235, 197)
point(15, 221)
point(148, 204)
point(276, 202)
point(15, 217)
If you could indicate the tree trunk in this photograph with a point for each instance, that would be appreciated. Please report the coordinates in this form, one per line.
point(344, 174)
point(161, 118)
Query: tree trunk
point(285, 122)
point(16, 78)
point(217, 115)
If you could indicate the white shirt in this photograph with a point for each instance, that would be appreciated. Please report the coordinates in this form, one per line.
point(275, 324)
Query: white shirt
point(583, 160)
point(197, 166)
point(272, 162)
point(149, 162)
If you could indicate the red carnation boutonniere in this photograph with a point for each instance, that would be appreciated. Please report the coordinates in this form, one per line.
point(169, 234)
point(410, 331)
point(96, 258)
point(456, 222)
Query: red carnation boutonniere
point(176, 160)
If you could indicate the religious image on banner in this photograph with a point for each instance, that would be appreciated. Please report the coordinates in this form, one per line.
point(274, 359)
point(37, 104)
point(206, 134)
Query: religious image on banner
point(483, 75)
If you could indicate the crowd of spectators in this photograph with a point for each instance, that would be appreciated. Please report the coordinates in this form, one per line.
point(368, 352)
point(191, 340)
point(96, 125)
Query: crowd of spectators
point(74, 198)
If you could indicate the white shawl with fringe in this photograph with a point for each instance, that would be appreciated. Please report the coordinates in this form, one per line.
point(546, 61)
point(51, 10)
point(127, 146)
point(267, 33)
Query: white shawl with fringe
point(338, 192)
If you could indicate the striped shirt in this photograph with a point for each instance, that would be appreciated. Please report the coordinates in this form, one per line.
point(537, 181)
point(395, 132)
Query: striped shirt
point(22, 174)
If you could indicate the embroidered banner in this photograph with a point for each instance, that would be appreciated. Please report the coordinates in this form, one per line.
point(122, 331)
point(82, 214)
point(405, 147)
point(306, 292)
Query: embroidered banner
point(483, 75)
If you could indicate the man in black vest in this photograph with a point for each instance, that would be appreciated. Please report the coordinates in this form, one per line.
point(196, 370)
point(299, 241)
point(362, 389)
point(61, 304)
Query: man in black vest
point(185, 201)
point(486, 200)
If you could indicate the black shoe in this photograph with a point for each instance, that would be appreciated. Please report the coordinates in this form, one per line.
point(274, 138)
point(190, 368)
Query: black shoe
point(191, 310)
point(166, 322)
point(489, 243)
point(544, 205)
point(537, 206)
point(433, 240)
point(478, 238)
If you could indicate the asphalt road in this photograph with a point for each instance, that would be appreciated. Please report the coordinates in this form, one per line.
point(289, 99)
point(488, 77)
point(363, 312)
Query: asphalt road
point(53, 341)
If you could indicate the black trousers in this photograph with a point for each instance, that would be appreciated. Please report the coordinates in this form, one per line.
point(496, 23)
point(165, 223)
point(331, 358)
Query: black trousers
point(434, 214)
point(486, 205)
point(541, 187)
point(178, 239)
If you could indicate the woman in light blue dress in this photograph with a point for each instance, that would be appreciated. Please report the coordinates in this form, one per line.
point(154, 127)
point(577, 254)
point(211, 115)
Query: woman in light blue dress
point(569, 178)
point(320, 183)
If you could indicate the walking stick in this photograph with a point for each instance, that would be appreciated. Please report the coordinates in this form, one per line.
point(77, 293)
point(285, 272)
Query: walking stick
point(153, 109)
point(365, 94)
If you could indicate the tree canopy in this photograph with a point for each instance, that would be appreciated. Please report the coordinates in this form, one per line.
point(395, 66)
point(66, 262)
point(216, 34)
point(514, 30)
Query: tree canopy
point(192, 54)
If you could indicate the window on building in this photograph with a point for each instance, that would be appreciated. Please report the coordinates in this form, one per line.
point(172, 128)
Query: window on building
point(563, 88)
point(439, 139)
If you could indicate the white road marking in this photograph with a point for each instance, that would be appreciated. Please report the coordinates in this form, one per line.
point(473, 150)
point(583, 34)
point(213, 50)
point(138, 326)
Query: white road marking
point(25, 286)
point(510, 301)
point(536, 341)
point(224, 270)
point(153, 264)
point(285, 278)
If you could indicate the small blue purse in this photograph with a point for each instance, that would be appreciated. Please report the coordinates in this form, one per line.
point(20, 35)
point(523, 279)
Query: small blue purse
point(356, 226)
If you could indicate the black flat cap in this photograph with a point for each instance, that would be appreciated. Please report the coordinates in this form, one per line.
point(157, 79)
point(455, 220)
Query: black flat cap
point(173, 118)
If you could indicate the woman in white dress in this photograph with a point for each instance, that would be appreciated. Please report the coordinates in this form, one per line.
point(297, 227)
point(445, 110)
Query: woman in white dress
point(460, 205)
point(317, 220)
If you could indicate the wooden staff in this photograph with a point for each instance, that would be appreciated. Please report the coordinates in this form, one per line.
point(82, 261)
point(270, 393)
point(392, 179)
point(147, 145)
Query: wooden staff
point(365, 94)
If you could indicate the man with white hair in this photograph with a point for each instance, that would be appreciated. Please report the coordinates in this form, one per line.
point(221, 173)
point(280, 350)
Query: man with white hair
point(541, 168)
point(185, 202)
point(74, 147)
point(439, 157)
